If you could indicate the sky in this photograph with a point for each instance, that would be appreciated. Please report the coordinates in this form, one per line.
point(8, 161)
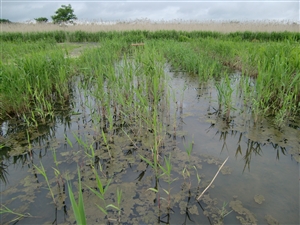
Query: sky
point(159, 10)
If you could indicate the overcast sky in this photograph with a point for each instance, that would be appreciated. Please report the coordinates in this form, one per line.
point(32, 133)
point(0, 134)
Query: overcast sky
point(93, 10)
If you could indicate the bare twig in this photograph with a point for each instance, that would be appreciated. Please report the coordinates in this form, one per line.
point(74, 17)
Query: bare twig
point(212, 179)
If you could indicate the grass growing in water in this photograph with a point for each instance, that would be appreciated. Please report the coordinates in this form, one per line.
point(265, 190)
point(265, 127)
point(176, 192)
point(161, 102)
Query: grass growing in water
point(78, 208)
point(130, 96)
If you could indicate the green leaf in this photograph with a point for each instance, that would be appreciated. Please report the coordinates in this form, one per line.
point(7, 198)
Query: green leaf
point(99, 195)
point(113, 206)
point(147, 161)
point(103, 210)
point(153, 189)
point(168, 193)
point(78, 209)
point(69, 142)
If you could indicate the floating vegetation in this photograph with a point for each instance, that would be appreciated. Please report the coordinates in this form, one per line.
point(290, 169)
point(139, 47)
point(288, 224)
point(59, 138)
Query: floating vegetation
point(259, 199)
point(271, 220)
point(244, 215)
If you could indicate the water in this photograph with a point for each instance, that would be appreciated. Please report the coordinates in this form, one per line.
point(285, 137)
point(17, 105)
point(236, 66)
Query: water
point(260, 156)
point(262, 162)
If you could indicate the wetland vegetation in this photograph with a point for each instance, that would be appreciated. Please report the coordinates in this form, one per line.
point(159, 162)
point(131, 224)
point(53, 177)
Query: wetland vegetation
point(97, 130)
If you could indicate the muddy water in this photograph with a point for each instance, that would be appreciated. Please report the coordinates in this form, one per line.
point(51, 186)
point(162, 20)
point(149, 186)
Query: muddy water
point(260, 181)
point(264, 160)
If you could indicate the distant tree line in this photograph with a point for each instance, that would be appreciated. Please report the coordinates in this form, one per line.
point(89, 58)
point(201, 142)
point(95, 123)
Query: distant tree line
point(4, 21)
point(65, 14)
point(41, 20)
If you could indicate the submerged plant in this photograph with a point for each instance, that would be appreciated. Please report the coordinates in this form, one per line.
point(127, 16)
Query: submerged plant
point(43, 172)
point(118, 206)
point(19, 216)
point(224, 212)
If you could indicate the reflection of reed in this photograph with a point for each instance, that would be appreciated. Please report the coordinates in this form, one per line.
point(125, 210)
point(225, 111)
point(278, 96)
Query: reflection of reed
point(25, 140)
point(253, 147)
point(3, 172)
point(278, 150)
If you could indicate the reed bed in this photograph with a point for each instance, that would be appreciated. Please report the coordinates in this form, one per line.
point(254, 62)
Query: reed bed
point(275, 67)
point(33, 79)
point(143, 35)
point(221, 26)
point(44, 64)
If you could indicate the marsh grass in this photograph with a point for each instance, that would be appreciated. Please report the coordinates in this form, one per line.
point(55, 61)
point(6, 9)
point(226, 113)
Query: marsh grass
point(274, 91)
point(262, 60)
point(125, 94)
point(225, 96)
point(34, 82)
point(78, 208)
point(166, 171)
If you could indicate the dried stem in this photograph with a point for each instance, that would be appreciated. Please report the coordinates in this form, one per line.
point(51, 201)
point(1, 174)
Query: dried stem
point(212, 179)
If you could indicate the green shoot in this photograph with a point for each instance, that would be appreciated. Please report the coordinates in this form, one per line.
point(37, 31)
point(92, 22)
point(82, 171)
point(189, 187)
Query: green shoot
point(5, 209)
point(78, 208)
point(43, 172)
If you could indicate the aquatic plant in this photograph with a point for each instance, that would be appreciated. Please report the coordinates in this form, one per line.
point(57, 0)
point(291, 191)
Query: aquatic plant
point(167, 172)
point(224, 212)
point(118, 207)
point(78, 208)
point(224, 96)
point(102, 190)
point(19, 216)
point(123, 104)
point(42, 171)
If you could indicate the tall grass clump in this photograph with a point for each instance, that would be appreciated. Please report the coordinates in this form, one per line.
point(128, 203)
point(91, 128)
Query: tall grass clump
point(274, 67)
point(225, 97)
point(34, 81)
point(276, 91)
point(184, 57)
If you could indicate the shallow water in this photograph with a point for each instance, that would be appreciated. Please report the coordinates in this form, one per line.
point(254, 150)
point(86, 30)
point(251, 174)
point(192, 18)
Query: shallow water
point(262, 161)
point(261, 157)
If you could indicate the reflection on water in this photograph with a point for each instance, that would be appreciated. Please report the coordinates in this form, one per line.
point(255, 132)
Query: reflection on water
point(261, 157)
point(262, 160)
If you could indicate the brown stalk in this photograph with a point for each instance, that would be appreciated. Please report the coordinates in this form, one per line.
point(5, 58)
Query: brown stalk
point(212, 180)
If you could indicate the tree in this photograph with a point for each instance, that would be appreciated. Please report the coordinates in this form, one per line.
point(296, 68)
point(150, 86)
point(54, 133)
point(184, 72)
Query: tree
point(41, 20)
point(64, 14)
point(4, 21)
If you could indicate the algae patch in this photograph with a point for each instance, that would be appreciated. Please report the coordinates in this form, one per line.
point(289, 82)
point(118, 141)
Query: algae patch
point(259, 199)
point(271, 220)
point(245, 216)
